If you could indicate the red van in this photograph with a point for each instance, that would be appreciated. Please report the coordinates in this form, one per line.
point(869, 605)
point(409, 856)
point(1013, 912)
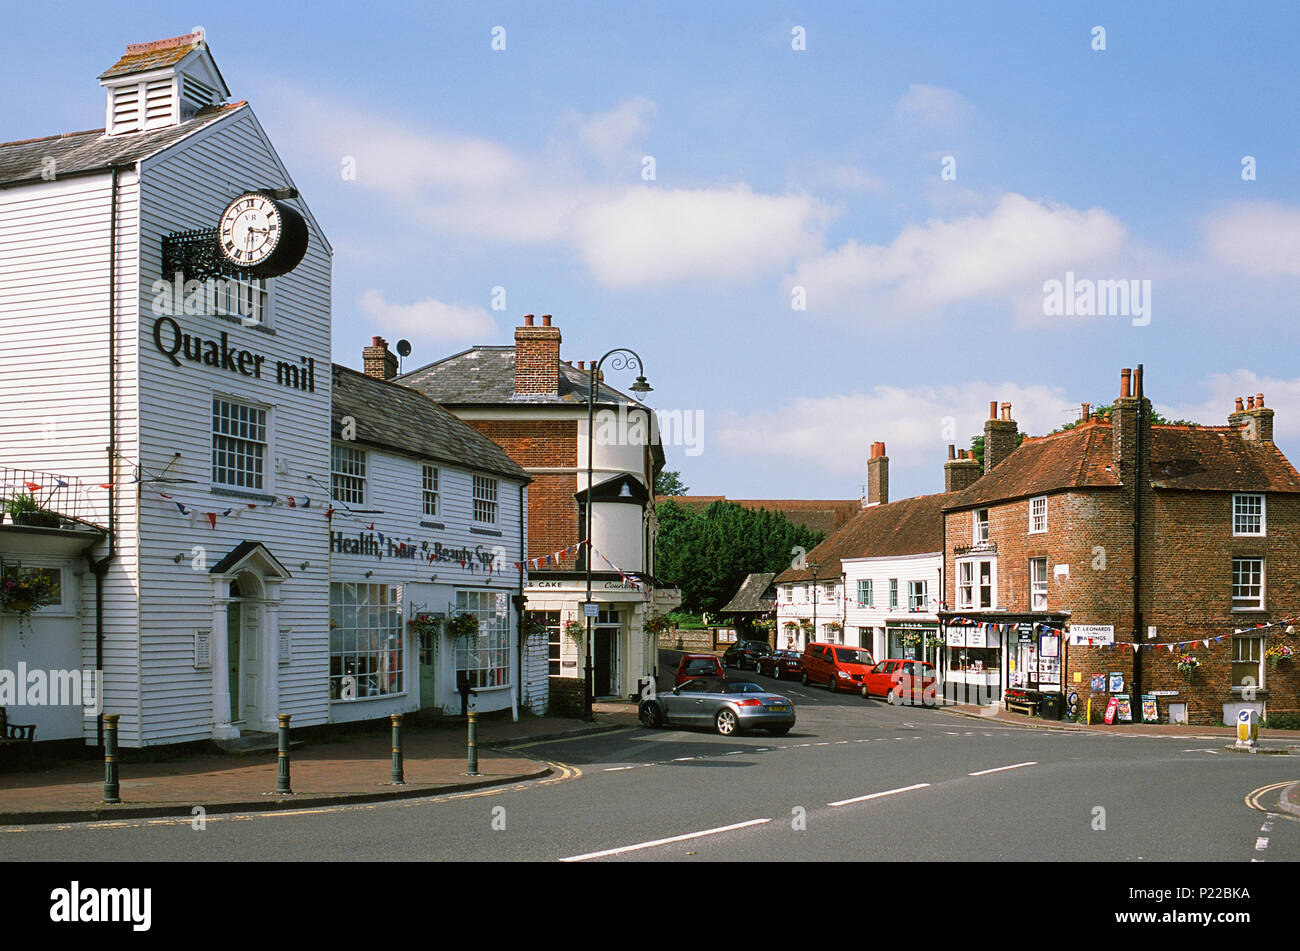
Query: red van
point(910, 682)
point(836, 666)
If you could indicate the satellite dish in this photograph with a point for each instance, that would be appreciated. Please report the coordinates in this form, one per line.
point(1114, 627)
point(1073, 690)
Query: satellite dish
point(404, 348)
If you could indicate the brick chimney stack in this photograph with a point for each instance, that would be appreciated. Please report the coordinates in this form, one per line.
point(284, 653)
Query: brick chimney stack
point(961, 469)
point(378, 360)
point(877, 475)
point(537, 357)
point(1254, 421)
point(1124, 424)
point(999, 435)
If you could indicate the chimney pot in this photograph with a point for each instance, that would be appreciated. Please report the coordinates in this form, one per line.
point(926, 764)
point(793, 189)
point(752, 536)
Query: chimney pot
point(1250, 402)
point(1086, 411)
point(1240, 408)
point(1006, 410)
point(1137, 382)
point(952, 451)
point(528, 320)
point(1125, 383)
point(1259, 401)
point(546, 320)
point(993, 409)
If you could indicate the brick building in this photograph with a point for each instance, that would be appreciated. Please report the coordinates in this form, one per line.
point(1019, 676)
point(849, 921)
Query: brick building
point(1087, 563)
point(534, 405)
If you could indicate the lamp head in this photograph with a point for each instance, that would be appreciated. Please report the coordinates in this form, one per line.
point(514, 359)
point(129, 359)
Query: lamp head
point(641, 386)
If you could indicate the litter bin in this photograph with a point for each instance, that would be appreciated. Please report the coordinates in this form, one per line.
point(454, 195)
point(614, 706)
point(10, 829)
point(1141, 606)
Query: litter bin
point(1051, 708)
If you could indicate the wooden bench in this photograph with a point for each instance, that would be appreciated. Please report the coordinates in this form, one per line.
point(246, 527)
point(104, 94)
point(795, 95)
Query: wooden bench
point(1027, 707)
point(14, 733)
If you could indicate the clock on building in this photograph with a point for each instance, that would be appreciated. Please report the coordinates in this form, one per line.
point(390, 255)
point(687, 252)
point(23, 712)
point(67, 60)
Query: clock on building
point(262, 236)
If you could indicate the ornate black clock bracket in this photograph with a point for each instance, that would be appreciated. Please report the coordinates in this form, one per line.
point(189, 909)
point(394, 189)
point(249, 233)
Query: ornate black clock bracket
point(196, 255)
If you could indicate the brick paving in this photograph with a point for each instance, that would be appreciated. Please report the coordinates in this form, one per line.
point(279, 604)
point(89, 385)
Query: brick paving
point(354, 768)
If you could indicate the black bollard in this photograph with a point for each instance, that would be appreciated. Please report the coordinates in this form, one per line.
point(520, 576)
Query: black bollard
point(111, 785)
point(472, 769)
point(282, 778)
point(399, 778)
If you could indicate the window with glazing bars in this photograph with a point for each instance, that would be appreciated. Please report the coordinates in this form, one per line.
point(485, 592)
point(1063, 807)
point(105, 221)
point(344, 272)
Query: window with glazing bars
point(238, 444)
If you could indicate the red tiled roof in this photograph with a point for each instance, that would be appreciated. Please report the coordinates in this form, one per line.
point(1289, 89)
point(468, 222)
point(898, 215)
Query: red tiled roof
point(906, 527)
point(1198, 458)
point(141, 57)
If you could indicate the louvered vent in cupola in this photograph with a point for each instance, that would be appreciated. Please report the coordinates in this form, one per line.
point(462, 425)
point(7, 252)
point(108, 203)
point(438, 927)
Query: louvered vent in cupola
point(160, 84)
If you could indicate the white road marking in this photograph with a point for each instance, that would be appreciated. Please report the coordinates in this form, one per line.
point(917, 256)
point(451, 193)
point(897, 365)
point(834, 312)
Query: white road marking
point(1261, 843)
point(615, 769)
point(1266, 827)
point(877, 795)
point(998, 769)
point(657, 842)
point(683, 759)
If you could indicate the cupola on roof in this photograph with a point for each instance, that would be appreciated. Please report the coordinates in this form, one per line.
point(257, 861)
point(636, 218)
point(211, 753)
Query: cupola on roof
point(160, 84)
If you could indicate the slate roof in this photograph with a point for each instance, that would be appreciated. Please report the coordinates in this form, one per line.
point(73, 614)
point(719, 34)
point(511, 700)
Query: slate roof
point(1200, 458)
point(398, 418)
point(751, 596)
point(819, 515)
point(80, 152)
point(486, 375)
point(906, 527)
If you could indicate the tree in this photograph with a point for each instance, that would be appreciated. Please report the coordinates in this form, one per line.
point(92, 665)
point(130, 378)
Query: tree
point(668, 482)
point(708, 553)
point(977, 442)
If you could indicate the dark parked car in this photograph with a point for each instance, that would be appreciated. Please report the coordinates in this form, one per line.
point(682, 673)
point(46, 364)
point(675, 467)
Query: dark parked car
point(744, 654)
point(693, 666)
point(728, 708)
point(781, 664)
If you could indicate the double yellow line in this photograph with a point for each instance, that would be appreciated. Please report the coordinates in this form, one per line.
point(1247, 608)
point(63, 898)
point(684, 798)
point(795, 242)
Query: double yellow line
point(1255, 796)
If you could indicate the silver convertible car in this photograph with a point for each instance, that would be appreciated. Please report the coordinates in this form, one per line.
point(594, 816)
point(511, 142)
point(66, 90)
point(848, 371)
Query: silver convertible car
point(728, 707)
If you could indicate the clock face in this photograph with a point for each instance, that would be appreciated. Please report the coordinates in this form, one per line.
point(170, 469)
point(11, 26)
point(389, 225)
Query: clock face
point(250, 229)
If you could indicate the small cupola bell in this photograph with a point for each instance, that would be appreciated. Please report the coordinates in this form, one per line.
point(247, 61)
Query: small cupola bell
point(160, 84)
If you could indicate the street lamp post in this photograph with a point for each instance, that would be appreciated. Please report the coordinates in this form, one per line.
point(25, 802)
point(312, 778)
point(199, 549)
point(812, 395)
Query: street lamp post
point(624, 359)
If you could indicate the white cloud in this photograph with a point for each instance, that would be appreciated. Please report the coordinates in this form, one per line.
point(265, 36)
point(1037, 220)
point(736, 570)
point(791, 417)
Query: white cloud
point(1005, 253)
point(1221, 391)
point(607, 135)
point(1261, 239)
point(833, 433)
point(652, 235)
point(934, 106)
point(429, 320)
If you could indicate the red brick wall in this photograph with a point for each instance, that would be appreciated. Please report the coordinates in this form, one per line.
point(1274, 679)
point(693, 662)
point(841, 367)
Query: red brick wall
point(1187, 551)
point(538, 444)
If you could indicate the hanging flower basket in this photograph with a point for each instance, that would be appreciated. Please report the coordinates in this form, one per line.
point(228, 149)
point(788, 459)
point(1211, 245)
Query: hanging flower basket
point(425, 624)
point(656, 624)
point(806, 625)
point(22, 592)
point(575, 631)
point(463, 624)
point(1188, 665)
point(1279, 654)
point(912, 638)
point(534, 626)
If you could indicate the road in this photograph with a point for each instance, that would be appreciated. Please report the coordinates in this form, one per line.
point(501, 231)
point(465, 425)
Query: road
point(854, 780)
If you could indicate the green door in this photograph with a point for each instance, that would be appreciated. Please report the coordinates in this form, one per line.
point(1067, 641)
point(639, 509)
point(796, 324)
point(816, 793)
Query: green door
point(232, 655)
point(428, 653)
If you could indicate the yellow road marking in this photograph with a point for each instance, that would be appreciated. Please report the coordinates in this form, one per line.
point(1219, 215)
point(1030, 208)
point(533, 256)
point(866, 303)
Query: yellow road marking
point(1255, 795)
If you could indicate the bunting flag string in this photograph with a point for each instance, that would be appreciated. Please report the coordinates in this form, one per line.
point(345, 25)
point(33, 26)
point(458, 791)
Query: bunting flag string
point(554, 558)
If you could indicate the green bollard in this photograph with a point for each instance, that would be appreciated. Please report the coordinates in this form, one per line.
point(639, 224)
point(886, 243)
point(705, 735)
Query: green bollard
point(399, 778)
point(282, 779)
point(111, 785)
point(473, 744)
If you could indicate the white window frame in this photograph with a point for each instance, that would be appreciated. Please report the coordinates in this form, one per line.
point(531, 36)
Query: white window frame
point(968, 590)
point(486, 492)
point(893, 592)
point(1248, 603)
point(865, 588)
point(916, 599)
point(259, 476)
point(375, 636)
point(1256, 645)
point(258, 290)
point(487, 655)
point(1038, 584)
point(1239, 500)
point(1038, 515)
point(429, 475)
point(979, 528)
point(353, 483)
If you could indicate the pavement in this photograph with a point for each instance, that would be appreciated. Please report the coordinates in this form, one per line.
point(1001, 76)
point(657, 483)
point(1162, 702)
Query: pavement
point(357, 768)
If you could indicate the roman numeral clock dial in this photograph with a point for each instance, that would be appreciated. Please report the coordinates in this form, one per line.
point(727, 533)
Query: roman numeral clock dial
point(261, 235)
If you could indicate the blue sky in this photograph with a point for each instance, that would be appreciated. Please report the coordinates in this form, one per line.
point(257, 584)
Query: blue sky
point(778, 173)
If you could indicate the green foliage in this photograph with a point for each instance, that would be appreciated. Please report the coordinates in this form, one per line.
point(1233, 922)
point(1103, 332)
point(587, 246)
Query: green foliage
point(669, 482)
point(1281, 721)
point(977, 446)
point(708, 553)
